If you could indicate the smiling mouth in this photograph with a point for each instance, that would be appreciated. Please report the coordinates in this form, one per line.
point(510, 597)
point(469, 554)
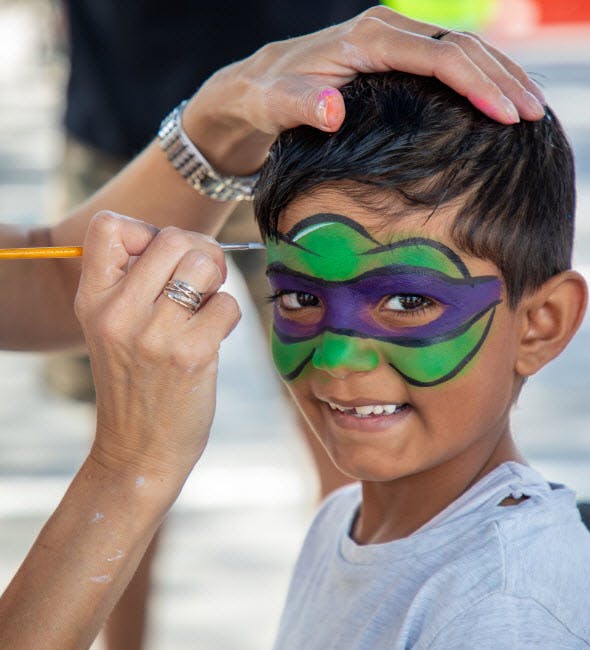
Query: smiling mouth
point(369, 410)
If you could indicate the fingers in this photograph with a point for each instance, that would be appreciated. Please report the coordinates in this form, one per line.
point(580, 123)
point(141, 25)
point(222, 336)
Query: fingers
point(197, 270)
point(158, 263)
point(215, 320)
point(199, 263)
point(428, 29)
point(515, 70)
point(191, 343)
point(136, 289)
point(401, 21)
point(191, 339)
point(380, 40)
point(509, 76)
point(500, 68)
point(111, 240)
point(458, 60)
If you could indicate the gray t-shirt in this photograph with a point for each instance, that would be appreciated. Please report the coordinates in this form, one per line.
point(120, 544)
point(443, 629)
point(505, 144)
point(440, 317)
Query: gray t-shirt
point(478, 576)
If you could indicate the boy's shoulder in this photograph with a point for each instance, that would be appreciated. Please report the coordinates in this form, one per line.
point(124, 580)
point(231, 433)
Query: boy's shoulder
point(523, 584)
point(519, 575)
point(499, 572)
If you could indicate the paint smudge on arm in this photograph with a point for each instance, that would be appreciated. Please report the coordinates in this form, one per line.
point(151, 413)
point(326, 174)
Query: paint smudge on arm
point(101, 579)
point(117, 556)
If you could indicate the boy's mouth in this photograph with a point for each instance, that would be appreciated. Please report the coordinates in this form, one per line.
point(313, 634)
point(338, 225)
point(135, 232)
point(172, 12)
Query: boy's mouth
point(367, 410)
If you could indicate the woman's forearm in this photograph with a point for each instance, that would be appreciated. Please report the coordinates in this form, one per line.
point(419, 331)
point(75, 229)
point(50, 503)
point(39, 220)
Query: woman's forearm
point(83, 559)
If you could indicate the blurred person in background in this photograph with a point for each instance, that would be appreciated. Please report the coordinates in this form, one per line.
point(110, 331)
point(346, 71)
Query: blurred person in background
point(274, 105)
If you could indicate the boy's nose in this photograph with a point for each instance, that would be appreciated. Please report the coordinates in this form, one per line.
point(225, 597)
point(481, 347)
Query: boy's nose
point(341, 355)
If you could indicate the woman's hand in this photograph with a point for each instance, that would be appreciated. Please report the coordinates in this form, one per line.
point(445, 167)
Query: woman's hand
point(155, 368)
point(240, 110)
point(154, 362)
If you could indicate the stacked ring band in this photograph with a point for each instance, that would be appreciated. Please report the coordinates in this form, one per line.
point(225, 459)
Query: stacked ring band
point(183, 294)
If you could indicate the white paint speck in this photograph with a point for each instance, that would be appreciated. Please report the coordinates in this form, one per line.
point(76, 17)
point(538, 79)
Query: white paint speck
point(98, 516)
point(117, 556)
point(139, 481)
point(101, 579)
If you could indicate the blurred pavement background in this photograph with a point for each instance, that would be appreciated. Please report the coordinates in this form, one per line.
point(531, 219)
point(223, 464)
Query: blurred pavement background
point(227, 552)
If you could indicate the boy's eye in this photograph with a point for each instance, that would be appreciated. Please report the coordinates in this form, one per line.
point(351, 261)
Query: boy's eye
point(408, 310)
point(407, 302)
point(298, 300)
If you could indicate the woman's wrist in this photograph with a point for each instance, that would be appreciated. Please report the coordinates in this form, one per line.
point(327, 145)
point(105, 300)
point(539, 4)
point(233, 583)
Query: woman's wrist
point(216, 120)
point(133, 490)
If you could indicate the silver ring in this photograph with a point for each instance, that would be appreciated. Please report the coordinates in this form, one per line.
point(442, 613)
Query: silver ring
point(183, 294)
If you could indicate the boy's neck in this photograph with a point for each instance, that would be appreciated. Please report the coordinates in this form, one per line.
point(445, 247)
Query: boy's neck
point(395, 509)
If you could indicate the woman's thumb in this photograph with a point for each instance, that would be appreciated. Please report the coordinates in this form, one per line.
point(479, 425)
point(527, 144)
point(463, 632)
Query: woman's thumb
point(329, 109)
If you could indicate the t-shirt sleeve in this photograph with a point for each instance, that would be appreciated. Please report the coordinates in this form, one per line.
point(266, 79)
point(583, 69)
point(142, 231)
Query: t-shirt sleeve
point(503, 622)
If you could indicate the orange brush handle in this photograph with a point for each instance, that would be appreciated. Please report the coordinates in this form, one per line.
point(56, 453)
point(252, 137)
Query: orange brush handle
point(49, 252)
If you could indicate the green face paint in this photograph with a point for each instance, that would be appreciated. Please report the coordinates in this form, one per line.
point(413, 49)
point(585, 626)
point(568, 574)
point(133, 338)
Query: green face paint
point(335, 260)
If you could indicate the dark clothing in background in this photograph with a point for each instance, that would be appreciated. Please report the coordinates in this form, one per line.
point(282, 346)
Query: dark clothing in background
point(132, 62)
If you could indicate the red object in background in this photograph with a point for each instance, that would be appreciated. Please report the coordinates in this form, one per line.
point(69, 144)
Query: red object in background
point(563, 11)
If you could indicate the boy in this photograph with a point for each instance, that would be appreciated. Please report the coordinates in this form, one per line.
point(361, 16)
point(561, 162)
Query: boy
point(420, 263)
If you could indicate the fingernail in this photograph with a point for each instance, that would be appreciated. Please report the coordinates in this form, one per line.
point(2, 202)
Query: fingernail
point(534, 104)
point(509, 110)
point(326, 108)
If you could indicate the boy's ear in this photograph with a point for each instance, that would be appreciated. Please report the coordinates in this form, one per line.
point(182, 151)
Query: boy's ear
point(549, 318)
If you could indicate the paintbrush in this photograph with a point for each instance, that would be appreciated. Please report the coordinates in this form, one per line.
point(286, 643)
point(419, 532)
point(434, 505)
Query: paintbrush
point(53, 252)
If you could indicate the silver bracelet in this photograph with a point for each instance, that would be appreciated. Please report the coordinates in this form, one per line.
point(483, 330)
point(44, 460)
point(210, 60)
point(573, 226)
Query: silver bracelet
point(194, 167)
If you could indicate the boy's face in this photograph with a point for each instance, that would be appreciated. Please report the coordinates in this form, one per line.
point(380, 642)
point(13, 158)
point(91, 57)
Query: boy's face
point(398, 349)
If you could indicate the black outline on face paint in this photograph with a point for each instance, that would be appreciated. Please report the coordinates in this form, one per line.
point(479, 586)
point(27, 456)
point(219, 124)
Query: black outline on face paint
point(458, 368)
point(418, 241)
point(290, 376)
point(431, 243)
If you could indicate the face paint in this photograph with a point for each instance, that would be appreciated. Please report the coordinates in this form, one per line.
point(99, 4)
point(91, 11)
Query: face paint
point(334, 259)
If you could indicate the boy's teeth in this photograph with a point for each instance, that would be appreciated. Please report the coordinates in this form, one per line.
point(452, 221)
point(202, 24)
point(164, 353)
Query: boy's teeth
point(364, 410)
point(342, 409)
point(376, 409)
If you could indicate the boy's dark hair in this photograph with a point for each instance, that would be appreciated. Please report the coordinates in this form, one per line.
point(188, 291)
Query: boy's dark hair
point(416, 138)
